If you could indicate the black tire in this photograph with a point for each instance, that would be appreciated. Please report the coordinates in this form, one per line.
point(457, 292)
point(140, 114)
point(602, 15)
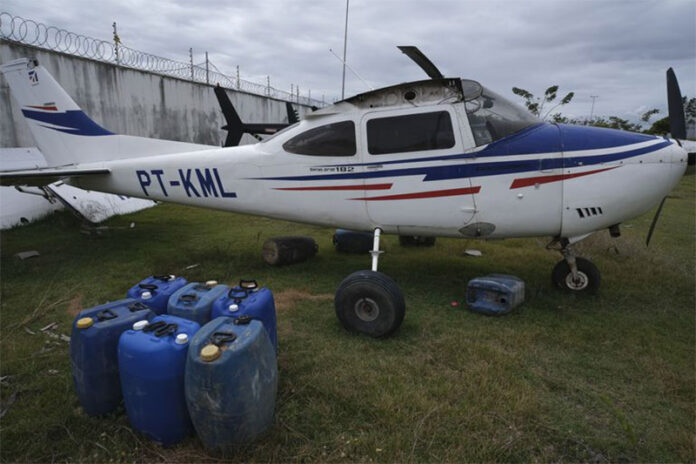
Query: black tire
point(371, 303)
point(589, 278)
point(416, 240)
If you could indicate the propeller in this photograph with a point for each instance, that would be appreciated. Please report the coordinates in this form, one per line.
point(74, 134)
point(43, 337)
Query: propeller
point(677, 121)
point(236, 128)
point(677, 127)
point(421, 60)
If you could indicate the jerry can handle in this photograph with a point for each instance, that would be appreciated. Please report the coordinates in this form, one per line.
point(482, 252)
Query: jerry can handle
point(163, 278)
point(248, 284)
point(237, 294)
point(148, 286)
point(154, 326)
point(106, 314)
point(137, 306)
point(189, 297)
point(166, 330)
point(219, 338)
point(242, 320)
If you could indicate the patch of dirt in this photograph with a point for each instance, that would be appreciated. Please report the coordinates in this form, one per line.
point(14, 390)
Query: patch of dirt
point(75, 305)
point(287, 299)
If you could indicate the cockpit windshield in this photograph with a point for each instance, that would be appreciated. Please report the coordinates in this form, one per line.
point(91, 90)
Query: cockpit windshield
point(493, 117)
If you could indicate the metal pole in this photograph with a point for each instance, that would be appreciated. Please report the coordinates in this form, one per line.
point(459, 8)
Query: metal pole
point(239, 85)
point(593, 97)
point(191, 61)
point(297, 87)
point(207, 79)
point(117, 41)
point(268, 85)
point(345, 45)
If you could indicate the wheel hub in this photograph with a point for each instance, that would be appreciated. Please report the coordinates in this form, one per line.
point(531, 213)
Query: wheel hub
point(366, 309)
point(580, 282)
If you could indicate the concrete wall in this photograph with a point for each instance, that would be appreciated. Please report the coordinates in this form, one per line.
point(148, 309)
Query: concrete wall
point(133, 102)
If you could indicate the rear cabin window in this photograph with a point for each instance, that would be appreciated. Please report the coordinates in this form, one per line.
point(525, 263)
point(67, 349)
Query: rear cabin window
point(412, 132)
point(336, 139)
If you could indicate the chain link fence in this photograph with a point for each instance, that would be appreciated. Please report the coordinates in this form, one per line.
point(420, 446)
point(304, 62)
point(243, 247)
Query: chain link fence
point(29, 32)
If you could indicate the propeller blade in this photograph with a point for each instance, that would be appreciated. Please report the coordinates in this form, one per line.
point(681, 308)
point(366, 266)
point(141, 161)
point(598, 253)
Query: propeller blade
point(654, 221)
point(677, 122)
point(234, 126)
point(421, 60)
point(293, 117)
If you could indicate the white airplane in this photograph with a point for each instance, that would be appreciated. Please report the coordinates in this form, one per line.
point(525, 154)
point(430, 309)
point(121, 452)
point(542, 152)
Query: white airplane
point(438, 157)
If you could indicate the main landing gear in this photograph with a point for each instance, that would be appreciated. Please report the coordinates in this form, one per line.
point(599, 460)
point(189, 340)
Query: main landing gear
point(573, 273)
point(370, 302)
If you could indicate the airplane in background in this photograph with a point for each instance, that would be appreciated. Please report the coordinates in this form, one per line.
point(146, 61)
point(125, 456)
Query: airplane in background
point(438, 157)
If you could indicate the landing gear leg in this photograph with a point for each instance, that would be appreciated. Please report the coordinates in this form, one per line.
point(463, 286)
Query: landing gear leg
point(370, 302)
point(575, 274)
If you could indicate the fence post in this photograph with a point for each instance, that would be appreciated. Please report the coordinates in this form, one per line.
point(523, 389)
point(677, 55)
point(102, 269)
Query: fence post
point(207, 71)
point(239, 85)
point(297, 87)
point(268, 85)
point(117, 41)
point(191, 61)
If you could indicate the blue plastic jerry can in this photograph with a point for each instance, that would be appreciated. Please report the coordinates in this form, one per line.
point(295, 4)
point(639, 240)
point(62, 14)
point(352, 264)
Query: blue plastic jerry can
point(495, 294)
point(231, 382)
point(351, 241)
point(152, 360)
point(94, 352)
point(156, 290)
point(249, 299)
point(194, 301)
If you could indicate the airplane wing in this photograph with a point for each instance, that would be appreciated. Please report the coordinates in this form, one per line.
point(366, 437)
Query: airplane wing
point(40, 177)
point(96, 207)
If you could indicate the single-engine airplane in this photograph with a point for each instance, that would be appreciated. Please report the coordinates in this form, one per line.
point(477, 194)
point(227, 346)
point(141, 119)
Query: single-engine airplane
point(439, 157)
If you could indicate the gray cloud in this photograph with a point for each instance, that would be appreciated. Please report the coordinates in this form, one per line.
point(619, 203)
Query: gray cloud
point(618, 49)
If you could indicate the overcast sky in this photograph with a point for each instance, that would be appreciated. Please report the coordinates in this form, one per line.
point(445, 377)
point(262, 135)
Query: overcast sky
point(618, 50)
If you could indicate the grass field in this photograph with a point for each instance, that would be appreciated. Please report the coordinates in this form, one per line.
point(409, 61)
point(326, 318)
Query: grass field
point(563, 378)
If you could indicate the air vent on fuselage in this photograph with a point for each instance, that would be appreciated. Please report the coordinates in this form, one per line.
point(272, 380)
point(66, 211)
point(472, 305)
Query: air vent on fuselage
point(588, 212)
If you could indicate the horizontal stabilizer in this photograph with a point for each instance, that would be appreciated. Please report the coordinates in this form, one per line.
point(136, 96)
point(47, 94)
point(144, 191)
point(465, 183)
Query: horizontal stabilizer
point(40, 177)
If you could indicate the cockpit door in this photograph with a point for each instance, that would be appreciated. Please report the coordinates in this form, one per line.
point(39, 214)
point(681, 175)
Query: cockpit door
point(416, 175)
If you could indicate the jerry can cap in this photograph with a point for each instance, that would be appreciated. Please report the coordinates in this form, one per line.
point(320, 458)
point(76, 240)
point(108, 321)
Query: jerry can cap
point(181, 339)
point(210, 353)
point(84, 322)
point(211, 283)
point(233, 307)
point(140, 325)
point(146, 295)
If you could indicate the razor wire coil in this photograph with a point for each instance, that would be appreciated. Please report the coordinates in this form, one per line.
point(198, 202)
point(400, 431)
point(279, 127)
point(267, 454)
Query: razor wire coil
point(36, 34)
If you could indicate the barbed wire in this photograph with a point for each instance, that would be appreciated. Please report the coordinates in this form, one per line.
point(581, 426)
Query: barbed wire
point(30, 32)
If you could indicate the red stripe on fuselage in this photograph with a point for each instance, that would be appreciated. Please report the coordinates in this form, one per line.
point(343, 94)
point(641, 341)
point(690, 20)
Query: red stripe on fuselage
point(341, 187)
point(529, 181)
point(430, 194)
point(47, 108)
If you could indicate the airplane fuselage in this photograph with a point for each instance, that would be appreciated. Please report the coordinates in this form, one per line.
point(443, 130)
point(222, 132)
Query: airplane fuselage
point(548, 180)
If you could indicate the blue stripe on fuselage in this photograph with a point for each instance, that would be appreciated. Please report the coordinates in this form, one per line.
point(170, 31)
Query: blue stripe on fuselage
point(536, 139)
point(458, 171)
point(74, 122)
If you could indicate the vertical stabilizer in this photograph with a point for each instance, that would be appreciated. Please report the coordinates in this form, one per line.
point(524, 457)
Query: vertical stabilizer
point(63, 132)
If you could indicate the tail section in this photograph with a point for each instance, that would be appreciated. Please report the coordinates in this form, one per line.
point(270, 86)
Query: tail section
point(63, 132)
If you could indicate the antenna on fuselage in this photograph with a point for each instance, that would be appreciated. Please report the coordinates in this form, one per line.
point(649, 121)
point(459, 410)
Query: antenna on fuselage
point(352, 70)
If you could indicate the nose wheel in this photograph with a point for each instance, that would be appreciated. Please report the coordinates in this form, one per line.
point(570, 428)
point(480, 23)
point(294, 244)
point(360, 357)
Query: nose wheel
point(370, 302)
point(576, 275)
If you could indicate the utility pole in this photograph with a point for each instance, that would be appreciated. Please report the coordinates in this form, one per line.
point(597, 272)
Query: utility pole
point(207, 71)
point(191, 61)
point(593, 97)
point(345, 45)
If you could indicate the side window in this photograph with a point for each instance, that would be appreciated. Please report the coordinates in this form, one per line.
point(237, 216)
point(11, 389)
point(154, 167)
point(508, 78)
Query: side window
point(411, 132)
point(336, 139)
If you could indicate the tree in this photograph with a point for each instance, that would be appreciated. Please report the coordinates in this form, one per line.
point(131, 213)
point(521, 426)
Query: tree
point(661, 126)
point(536, 104)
